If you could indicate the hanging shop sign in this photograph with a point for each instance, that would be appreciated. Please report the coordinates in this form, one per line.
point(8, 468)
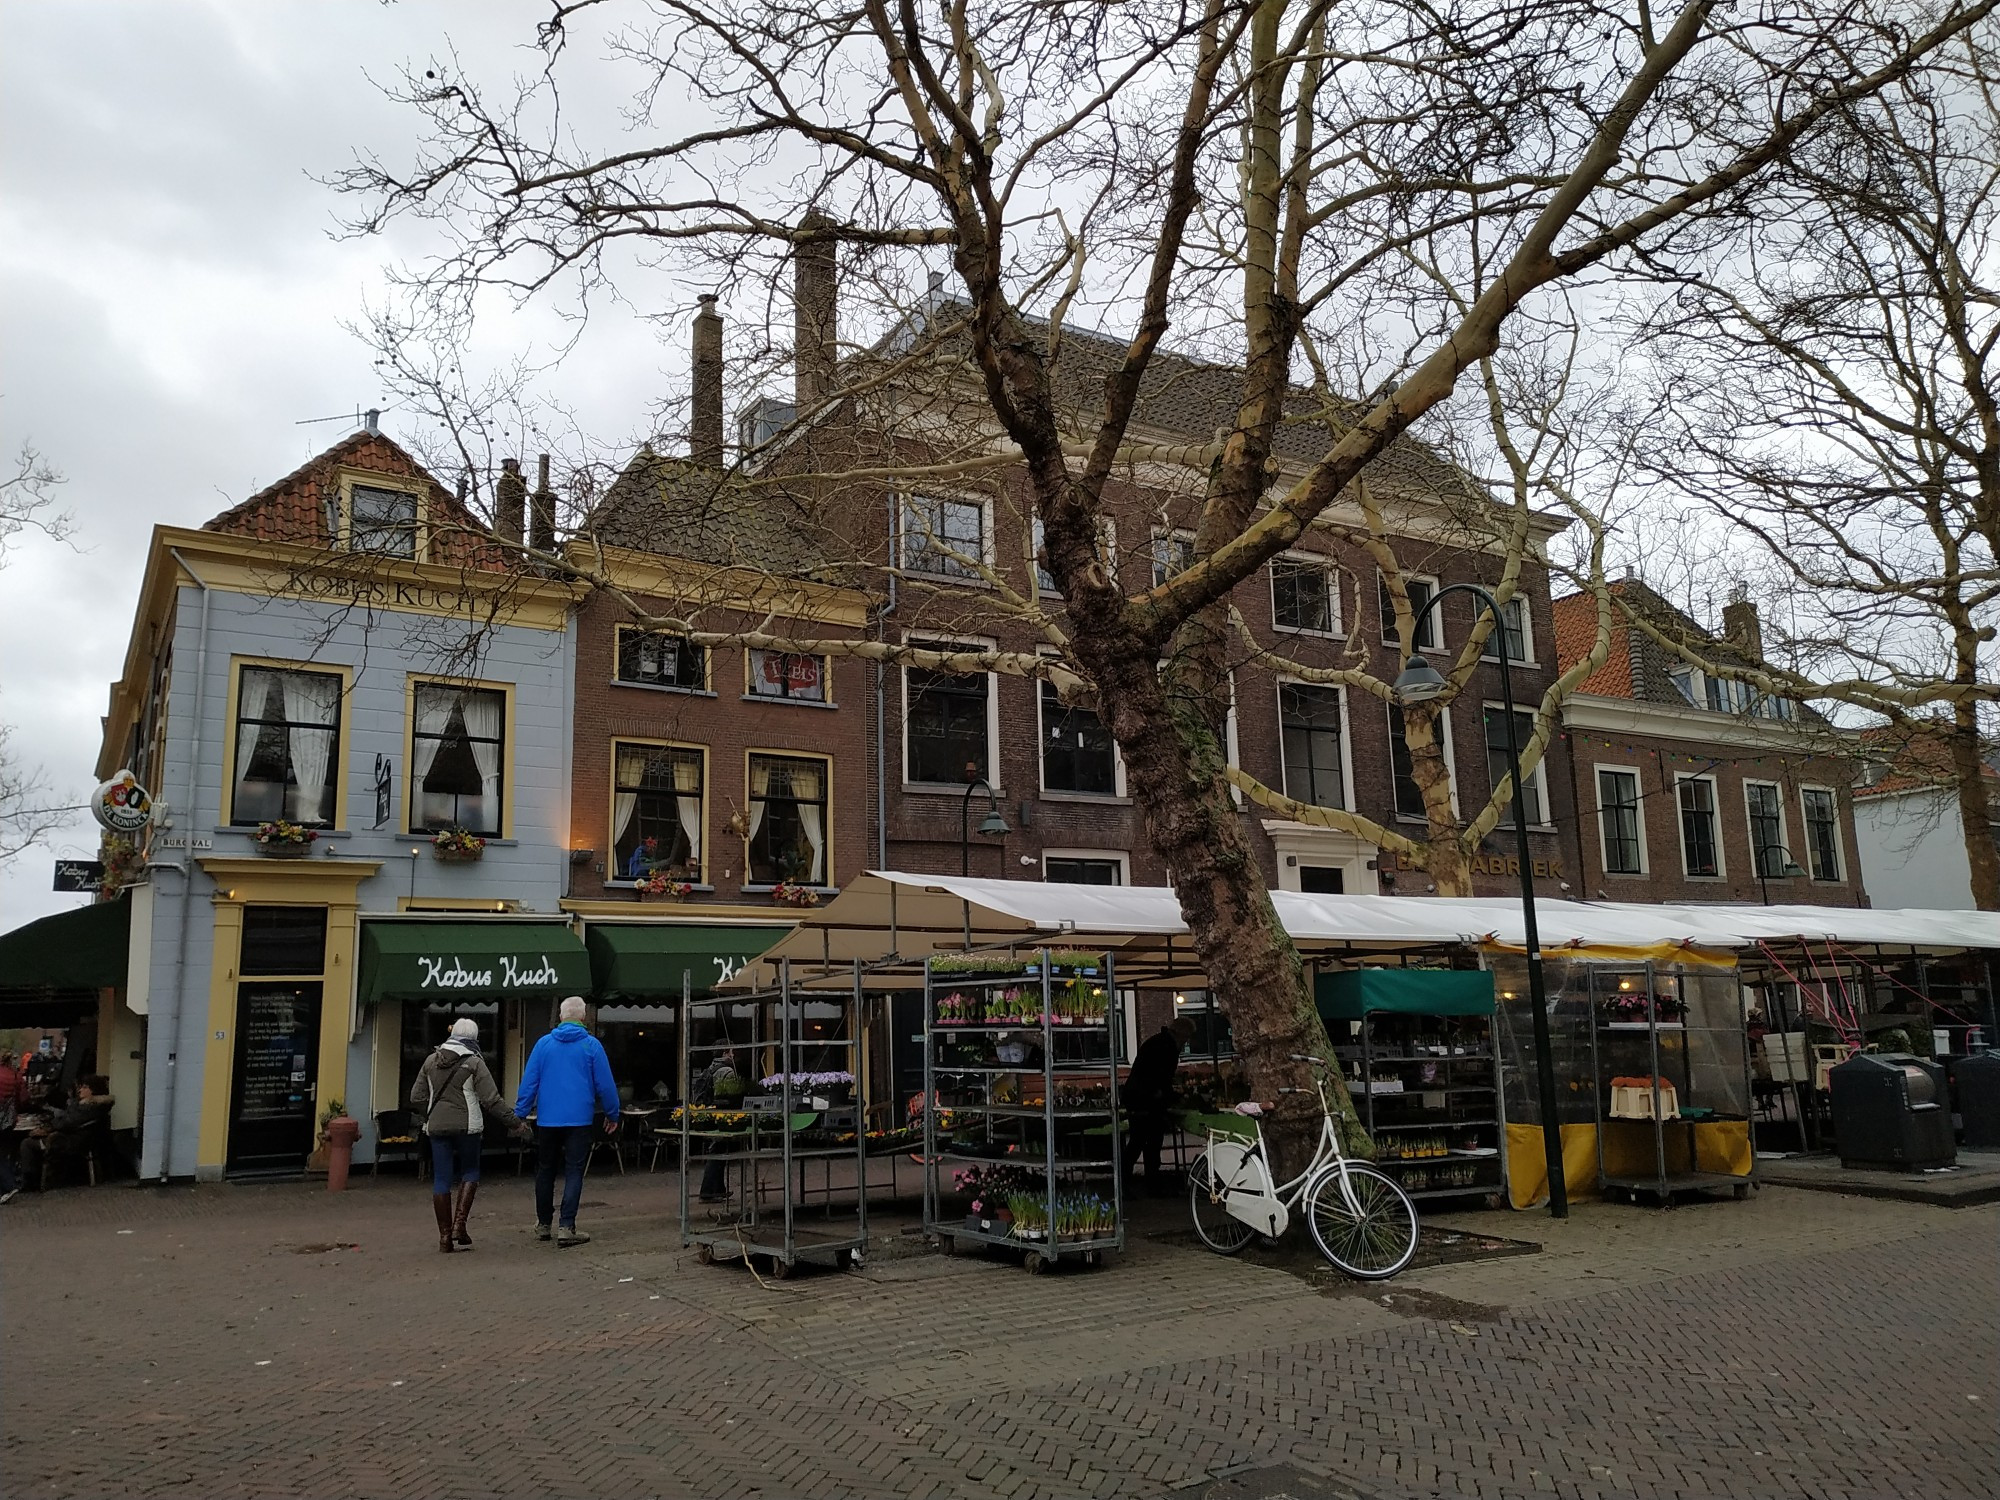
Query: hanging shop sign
point(121, 804)
point(77, 875)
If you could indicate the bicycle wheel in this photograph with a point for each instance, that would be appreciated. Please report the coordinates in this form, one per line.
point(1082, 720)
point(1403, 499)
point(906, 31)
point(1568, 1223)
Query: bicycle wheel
point(1371, 1238)
point(1212, 1222)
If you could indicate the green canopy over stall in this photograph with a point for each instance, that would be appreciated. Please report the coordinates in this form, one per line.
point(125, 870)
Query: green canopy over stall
point(1352, 993)
point(425, 960)
point(83, 949)
point(647, 960)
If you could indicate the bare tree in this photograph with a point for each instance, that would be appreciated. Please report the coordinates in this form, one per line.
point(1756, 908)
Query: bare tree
point(1833, 396)
point(1350, 206)
point(27, 502)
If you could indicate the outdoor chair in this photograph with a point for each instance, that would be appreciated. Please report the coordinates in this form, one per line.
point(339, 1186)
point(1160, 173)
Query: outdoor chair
point(396, 1136)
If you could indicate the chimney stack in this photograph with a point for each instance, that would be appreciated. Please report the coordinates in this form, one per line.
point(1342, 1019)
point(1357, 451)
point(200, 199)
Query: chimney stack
point(705, 434)
point(814, 298)
point(1742, 627)
point(510, 501)
point(543, 513)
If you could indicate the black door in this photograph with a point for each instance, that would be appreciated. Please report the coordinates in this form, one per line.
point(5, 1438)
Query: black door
point(277, 1055)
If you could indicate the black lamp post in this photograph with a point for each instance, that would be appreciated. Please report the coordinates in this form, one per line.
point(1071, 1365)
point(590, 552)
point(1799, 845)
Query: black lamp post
point(1789, 870)
point(992, 826)
point(1420, 682)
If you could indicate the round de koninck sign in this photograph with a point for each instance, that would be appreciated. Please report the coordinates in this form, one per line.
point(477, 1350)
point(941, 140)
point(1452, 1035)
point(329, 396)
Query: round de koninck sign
point(121, 804)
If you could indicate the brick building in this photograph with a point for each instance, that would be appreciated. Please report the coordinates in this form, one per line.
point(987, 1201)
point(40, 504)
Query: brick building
point(1697, 788)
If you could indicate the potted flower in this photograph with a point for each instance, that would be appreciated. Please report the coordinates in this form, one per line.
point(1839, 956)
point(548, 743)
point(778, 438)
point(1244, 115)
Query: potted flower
point(124, 864)
point(662, 884)
point(280, 839)
point(791, 893)
point(457, 845)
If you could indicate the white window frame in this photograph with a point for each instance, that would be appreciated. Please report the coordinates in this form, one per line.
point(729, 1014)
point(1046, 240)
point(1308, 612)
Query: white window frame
point(934, 643)
point(1715, 812)
point(1839, 876)
point(1537, 777)
point(1433, 622)
point(1346, 739)
point(1696, 695)
point(1060, 794)
point(908, 502)
point(1122, 858)
point(1639, 812)
point(1784, 832)
point(1495, 641)
point(1324, 566)
point(1160, 534)
point(1444, 729)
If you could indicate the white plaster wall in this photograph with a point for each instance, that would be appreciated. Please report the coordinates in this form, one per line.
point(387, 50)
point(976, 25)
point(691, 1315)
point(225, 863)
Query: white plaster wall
point(1912, 851)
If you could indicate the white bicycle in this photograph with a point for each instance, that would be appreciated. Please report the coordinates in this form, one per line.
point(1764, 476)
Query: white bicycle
point(1360, 1217)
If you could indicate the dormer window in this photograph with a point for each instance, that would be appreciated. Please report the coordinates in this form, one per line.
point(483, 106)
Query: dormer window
point(381, 520)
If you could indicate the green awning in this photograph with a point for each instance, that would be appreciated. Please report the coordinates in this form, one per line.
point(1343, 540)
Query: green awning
point(83, 949)
point(1350, 993)
point(632, 960)
point(461, 960)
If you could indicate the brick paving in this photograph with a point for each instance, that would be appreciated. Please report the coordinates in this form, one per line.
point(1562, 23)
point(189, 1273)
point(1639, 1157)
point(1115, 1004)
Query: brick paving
point(282, 1341)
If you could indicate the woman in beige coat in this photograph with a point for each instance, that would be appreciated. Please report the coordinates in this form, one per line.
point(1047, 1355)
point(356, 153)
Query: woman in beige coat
point(453, 1099)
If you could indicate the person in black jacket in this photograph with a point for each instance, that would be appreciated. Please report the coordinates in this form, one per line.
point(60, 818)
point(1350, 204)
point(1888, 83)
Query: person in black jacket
point(1149, 1090)
point(70, 1134)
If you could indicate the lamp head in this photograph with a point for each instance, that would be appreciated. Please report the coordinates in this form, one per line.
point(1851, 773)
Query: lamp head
point(1419, 682)
point(993, 824)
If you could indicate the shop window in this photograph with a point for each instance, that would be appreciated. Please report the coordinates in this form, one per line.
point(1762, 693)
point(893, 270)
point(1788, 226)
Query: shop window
point(425, 1029)
point(1618, 821)
point(382, 521)
point(1514, 626)
point(1766, 810)
point(287, 746)
point(1077, 751)
point(790, 675)
point(457, 757)
point(659, 659)
point(1430, 630)
point(1700, 850)
point(657, 810)
point(1302, 596)
point(1309, 724)
point(1409, 796)
point(788, 828)
point(1822, 812)
point(1534, 802)
point(1082, 869)
point(944, 538)
point(945, 725)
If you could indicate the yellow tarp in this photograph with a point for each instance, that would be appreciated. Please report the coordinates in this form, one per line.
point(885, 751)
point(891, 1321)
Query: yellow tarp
point(1719, 1146)
point(1625, 953)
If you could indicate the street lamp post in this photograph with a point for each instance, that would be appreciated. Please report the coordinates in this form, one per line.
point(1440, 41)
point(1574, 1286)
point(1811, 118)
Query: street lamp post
point(1420, 682)
point(1787, 871)
point(992, 825)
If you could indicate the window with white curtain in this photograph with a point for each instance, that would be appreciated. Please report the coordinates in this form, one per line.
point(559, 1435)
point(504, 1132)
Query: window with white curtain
point(287, 747)
point(656, 810)
point(788, 819)
point(457, 758)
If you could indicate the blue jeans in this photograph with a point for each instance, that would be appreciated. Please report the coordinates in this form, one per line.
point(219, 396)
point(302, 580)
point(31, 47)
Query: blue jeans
point(567, 1147)
point(454, 1159)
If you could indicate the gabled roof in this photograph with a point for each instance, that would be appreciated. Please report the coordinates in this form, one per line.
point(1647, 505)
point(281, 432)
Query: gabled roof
point(1914, 761)
point(673, 507)
point(300, 508)
point(1576, 633)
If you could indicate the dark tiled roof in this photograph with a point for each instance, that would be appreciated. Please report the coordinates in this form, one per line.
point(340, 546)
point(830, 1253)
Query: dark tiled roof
point(676, 508)
point(297, 508)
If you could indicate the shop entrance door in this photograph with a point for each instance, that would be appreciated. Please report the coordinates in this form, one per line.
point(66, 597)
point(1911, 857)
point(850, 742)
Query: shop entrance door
point(277, 1049)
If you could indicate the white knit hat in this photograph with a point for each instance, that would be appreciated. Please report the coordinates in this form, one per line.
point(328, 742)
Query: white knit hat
point(465, 1029)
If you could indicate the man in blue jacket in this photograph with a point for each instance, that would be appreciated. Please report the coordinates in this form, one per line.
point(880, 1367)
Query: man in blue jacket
point(567, 1083)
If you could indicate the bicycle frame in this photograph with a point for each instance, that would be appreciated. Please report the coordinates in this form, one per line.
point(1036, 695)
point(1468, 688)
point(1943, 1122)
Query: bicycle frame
point(1243, 1172)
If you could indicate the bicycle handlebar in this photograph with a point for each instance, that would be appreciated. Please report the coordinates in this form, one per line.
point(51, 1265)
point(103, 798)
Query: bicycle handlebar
point(1307, 1057)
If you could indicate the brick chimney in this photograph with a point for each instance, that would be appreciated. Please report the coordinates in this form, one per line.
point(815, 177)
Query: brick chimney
point(510, 501)
point(1741, 625)
point(543, 514)
point(815, 294)
point(705, 433)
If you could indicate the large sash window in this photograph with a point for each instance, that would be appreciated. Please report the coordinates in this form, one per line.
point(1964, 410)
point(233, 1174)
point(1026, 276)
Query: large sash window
point(788, 820)
point(287, 747)
point(457, 756)
point(656, 810)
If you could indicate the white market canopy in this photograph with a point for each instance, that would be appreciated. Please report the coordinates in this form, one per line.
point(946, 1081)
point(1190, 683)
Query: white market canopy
point(886, 915)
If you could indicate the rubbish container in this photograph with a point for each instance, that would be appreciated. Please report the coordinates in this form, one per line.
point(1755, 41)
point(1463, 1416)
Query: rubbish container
point(1890, 1110)
point(1978, 1080)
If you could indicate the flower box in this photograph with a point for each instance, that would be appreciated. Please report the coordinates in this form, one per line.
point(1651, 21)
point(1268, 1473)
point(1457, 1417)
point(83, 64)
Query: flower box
point(456, 856)
point(284, 850)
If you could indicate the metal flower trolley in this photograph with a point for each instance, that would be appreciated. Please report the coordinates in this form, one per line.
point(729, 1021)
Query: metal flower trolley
point(1021, 1083)
point(808, 1041)
point(1672, 1067)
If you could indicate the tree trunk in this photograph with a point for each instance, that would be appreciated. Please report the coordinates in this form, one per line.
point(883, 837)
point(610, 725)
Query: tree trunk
point(1975, 808)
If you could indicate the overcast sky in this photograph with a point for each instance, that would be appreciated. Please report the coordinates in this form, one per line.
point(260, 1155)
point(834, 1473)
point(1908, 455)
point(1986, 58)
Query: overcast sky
point(173, 301)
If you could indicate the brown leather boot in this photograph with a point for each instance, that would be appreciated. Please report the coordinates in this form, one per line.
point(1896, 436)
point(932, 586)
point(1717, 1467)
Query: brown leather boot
point(463, 1212)
point(441, 1206)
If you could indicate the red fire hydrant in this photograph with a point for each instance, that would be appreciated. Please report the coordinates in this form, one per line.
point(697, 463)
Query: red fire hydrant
point(341, 1134)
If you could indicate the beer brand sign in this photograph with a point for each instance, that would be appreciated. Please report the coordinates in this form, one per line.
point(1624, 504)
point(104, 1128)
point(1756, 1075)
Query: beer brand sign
point(121, 804)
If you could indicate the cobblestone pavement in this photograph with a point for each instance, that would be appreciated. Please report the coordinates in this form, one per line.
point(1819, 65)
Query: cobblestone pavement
point(283, 1341)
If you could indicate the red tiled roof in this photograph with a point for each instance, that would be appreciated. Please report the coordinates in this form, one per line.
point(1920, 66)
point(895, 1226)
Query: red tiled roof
point(1576, 632)
point(1914, 760)
point(295, 508)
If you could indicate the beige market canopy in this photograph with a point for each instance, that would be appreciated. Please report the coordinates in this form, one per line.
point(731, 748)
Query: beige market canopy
point(887, 915)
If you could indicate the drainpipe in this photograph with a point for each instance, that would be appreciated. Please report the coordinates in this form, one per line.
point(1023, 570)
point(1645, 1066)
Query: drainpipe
point(880, 621)
point(186, 868)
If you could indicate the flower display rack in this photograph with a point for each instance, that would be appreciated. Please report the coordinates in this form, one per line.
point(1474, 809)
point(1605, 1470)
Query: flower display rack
point(802, 1045)
point(1021, 1128)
